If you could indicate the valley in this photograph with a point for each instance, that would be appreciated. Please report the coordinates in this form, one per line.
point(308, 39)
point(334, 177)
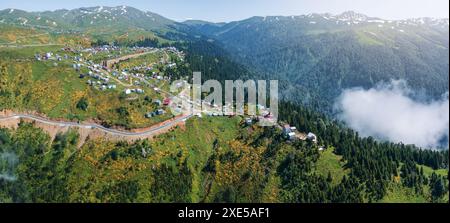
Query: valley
point(316, 56)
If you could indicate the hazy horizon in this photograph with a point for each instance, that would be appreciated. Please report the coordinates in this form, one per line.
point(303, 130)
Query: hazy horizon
point(226, 11)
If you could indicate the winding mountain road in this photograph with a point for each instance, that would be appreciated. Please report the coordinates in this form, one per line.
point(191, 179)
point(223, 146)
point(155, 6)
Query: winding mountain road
point(150, 132)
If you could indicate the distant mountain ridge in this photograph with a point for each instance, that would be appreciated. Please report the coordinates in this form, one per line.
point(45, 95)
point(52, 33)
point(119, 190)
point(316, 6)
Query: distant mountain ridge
point(349, 18)
point(314, 56)
point(88, 18)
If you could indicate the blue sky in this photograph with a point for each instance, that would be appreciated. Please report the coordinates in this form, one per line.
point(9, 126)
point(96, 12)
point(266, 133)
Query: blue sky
point(230, 10)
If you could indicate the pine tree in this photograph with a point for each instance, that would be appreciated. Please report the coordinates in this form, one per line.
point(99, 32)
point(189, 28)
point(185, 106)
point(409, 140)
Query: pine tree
point(329, 178)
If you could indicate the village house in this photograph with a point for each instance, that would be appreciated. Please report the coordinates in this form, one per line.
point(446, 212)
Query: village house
point(292, 136)
point(248, 121)
point(160, 112)
point(312, 137)
point(155, 113)
point(290, 132)
point(150, 114)
point(286, 129)
point(158, 102)
point(166, 102)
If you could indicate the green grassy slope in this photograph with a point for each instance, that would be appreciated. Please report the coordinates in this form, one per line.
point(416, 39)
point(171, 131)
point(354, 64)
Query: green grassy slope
point(333, 164)
point(54, 88)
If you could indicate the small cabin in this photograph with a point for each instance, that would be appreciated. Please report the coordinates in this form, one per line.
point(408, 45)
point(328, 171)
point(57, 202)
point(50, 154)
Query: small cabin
point(166, 102)
point(312, 137)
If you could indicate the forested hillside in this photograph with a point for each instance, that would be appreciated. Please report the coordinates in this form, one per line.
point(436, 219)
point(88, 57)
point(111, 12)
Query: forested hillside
point(316, 56)
point(220, 160)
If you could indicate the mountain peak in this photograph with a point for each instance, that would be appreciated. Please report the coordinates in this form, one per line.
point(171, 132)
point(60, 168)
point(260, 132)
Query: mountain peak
point(11, 11)
point(352, 16)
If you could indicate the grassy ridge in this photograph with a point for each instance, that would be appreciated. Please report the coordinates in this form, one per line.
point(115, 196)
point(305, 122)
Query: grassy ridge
point(333, 164)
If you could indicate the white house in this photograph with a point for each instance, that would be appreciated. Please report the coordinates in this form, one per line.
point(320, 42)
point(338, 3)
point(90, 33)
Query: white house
point(291, 135)
point(311, 136)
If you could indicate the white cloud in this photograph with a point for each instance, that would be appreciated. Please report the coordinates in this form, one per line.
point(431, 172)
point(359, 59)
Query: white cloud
point(8, 162)
point(388, 112)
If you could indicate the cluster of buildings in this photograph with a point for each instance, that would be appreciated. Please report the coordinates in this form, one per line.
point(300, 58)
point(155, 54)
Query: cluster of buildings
point(159, 111)
point(175, 51)
point(97, 79)
point(171, 65)
point(101, 85)
point(125, 75)
point(211, 109)
point(46, 56)
point(102, 49)
point(142, 69)
point(77, 59)
point(134, 90)
point(102, 77)
point(291, 133)
point(100, 74)
point(51, 56)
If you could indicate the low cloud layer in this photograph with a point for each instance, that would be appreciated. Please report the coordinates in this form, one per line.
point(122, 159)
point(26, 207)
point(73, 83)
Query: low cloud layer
point(389, 112)
point(8, 162)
